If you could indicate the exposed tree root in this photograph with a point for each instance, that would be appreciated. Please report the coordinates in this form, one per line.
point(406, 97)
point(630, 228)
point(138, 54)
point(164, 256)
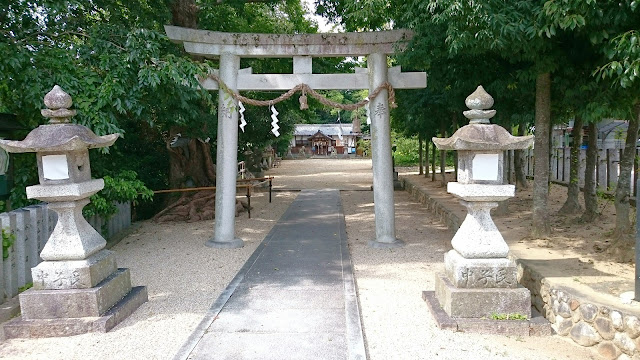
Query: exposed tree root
point(195, 206)
point(620, 248)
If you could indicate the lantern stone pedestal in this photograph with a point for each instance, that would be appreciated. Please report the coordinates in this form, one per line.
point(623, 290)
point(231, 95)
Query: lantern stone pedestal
point(480, 280)
point(78, 288)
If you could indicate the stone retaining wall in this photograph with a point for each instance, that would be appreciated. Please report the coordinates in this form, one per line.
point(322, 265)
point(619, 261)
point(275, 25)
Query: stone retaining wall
point(612, 333)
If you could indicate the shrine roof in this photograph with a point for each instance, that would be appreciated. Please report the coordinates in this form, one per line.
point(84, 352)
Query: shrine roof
point(326, 129)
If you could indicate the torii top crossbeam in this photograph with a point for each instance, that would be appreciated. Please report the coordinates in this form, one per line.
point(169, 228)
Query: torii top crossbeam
point(302, 48)
point(213, 44)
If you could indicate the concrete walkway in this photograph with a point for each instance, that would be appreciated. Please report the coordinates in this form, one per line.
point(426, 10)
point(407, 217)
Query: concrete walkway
point(294, 298)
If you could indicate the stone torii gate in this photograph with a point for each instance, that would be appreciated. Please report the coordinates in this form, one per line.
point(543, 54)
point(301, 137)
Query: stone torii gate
point(230, 47)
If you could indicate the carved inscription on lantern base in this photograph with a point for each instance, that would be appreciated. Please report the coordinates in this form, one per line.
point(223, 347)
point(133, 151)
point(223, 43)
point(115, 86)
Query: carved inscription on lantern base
point(74, 274)
point(480, 273)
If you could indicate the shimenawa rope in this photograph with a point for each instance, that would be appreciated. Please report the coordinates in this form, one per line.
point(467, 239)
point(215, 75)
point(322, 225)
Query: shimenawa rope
point(304, 88)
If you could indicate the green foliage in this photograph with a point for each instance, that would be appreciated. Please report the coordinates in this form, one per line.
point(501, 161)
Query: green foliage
point(359, 15)
point(26, 287)
point(365, 146)
point(624, 53)
point(126, 77)
point(25, 173)
point(406, 153)
point(122, 188)
point(514, 316)
point(8, 238)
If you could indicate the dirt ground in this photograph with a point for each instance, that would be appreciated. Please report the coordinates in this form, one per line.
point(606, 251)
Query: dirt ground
point(396, 321)
point(184, 277)
point(570, 256)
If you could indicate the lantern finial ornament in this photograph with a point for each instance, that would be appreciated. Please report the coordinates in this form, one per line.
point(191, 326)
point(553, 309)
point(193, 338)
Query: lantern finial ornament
point(479, 102)
point(58, 103)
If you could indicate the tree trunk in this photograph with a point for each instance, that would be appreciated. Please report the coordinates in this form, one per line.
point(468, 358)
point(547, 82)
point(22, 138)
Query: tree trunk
point(443, 154)
point(433, 161)
point(589, 193)
point(190, 161)
point(622, 248)
point(191, 164)
point(623, 223)
point(426, 158)
point(420, 153)
point(541, 227)
point(184, 13)
point(572, 205)
point(519, 162)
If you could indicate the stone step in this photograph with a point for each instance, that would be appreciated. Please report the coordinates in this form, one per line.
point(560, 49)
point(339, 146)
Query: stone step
point(38, 328)
point(537, 325)
point(481, 302)
point(76, 303)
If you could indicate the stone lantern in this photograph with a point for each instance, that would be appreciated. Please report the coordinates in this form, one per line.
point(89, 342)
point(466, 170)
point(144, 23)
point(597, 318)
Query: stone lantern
point(78, 287)
point(480, 279)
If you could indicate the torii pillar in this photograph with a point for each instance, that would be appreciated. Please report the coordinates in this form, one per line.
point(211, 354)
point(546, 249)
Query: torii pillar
point(227, 158)
point(381, 156)
point(230, 47)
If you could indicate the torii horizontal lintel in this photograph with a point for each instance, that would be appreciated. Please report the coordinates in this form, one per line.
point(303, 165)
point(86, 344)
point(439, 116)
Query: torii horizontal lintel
point(212, 43)
point(357, 81)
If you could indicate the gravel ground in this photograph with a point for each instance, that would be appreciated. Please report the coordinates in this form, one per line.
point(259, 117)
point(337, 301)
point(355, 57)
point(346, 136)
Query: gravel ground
point(184, 278)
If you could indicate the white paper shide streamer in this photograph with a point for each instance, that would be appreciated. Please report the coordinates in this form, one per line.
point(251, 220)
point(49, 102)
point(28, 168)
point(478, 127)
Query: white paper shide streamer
point(243, 122)
point(368, 112)
point(274, 123)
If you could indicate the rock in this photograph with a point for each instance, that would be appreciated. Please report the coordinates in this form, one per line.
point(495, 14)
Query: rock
point(632, 326)
point(563, 325)
point(604, 310)
point(574, 304)
point(616, 319)
point(538, 303)
point(608, 351)
point(604, 328)
point(588, 312)
point(624, 357)
point(575, 316)
point(563, 310)
point(584, 334)
point(563, 297)
point(624, 343)
point(550, 315)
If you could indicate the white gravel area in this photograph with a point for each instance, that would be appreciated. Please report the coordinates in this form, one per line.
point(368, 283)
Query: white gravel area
point(184, 278)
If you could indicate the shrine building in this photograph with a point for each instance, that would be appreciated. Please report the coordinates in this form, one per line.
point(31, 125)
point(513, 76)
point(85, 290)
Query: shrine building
point(322, 139)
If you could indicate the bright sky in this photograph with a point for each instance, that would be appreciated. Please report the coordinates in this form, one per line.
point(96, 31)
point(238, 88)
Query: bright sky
point(323, 25)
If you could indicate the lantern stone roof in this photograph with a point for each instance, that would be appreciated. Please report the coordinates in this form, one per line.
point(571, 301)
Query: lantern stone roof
point(483, 137)
point(59, 137)
point(480, 134)
point(59, 134)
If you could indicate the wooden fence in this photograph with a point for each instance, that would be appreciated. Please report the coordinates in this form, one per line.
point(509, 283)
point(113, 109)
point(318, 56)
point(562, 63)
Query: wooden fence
point(607, 167)
point(30, 227)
